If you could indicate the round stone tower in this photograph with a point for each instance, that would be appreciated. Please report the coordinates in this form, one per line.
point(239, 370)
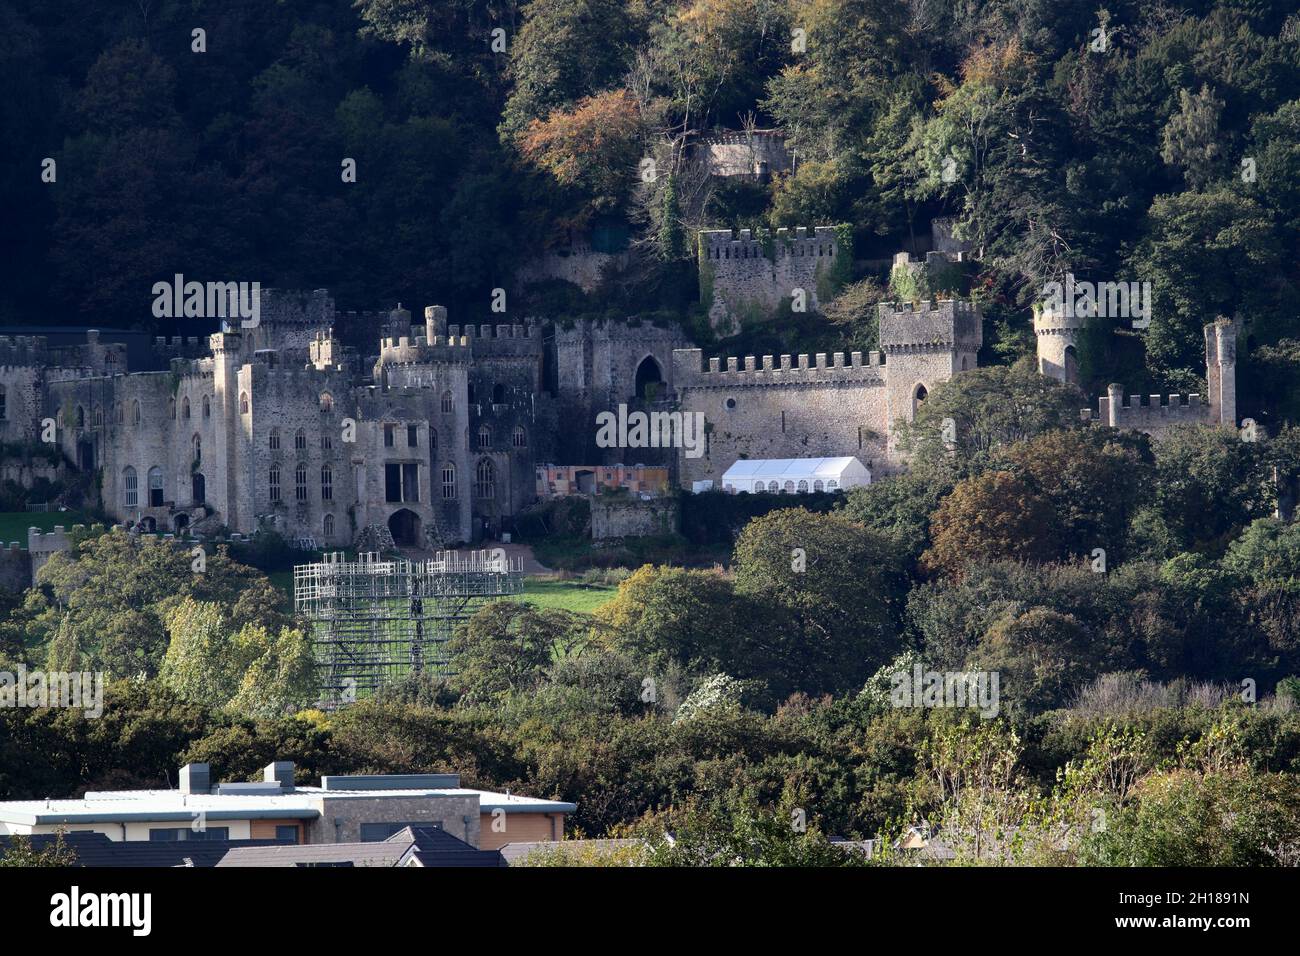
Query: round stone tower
point(1058, 342)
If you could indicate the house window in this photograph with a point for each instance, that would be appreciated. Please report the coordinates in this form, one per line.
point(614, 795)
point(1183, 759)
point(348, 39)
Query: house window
point(772, 487)
point(485, 437)
point(803, 486)
point(326, 484)
point(328, 527)
point(300, 483)
point(300, 440)
point(275, 439)
point(274, 483)
point(130, 490)
point(446, 403)
point(388, 435)
point(243, 403)
point(401, 482)
point(789, 487)
point(484, 479)
point(818, 486)
point(520, 437)
point(412, 436)
point(155, 487)
point(448, 482)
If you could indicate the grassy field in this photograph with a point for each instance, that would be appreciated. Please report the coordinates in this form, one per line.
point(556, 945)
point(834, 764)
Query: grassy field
point(566, 595)
point(14, 524)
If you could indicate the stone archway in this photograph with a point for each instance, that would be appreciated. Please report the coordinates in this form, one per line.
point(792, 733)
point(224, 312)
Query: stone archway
point(404, 525)
point(649, 379)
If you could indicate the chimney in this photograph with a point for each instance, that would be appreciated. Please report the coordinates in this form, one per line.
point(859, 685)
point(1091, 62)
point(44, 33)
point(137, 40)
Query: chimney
point(195, 778)
point(281, 772)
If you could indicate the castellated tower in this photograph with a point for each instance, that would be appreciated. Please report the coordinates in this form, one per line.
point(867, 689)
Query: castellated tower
point(923, 347)
point(1058, 341)
point(1221, 370)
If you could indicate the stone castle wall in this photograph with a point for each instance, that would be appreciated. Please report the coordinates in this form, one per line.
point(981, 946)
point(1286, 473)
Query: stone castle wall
point(743, 277)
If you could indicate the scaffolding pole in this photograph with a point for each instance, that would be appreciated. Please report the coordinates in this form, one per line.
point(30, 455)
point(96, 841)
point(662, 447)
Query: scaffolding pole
point(374, 621)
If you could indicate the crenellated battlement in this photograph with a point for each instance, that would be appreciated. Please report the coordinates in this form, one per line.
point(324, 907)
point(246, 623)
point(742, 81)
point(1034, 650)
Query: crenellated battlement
point(722, 245)
point(1151, 413)
point(819, 368)
point(942, 325)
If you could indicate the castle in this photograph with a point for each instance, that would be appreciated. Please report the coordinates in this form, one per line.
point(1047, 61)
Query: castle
point(442, 435)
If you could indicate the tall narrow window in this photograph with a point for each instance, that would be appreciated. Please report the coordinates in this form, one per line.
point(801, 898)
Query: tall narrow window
point(274, 483)
point(326, 484)
point(485, 437)
point(300, 483)
point(196, 445)
point(243, 403)
point(327, 442)
point(300, 440)
point(412, 436)
point(135, 412)
point(484, 479)
point(207, 407)
point(81, 417)
point(448, 482)
point(155, 487)
point(328, 526)
point(388, 435)
point(3, 404)
point(446, 403)
point(274, 439)
point(520, 437)
point(185, 408)
point(433, 439)
point(326, 402)
point(130, 489)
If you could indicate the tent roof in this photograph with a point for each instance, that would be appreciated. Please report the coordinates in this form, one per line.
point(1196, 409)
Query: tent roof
point(773, 468)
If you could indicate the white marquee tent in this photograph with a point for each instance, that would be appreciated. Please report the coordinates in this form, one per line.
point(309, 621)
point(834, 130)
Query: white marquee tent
point(794, 475)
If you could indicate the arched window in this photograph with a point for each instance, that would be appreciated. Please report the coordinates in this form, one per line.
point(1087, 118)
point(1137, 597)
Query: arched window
point(207, 407)
point(81, 417)
point(185, 408)
point(171, 408)
point(196, 446)
point(326, 402)
point(274, 483)
point(773, 487)
point(447, 404)
point(326, 484)
point(243, 403)
point(300, 483)
point(448, 482)
point(300, 440)
point(99, 416)
point(832, 484)
point(155, 487)
point(485, 437)
point(803, 486)
point(433, 439)
point(327, 442)
point(275, 439)
point(327, 526)
point(818, 486)
point(130, 489)
point(520, 438)
point(485, 479)
point(789, 488)
point(918, 397)
point(119, 414)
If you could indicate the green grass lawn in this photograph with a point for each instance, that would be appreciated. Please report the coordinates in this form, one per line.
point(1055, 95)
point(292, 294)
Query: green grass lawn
point(565, 595)
point(14, 524)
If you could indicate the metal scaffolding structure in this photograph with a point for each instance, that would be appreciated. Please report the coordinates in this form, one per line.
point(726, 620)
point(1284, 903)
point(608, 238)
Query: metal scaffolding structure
point(373, 621)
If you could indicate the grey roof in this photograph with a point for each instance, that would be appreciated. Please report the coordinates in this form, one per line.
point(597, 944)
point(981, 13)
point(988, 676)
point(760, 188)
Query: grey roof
point(423, 846)
point(514, 852)
point(100, 850)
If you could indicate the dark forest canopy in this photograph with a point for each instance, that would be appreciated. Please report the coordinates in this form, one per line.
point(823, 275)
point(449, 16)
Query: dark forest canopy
point(1130, 140)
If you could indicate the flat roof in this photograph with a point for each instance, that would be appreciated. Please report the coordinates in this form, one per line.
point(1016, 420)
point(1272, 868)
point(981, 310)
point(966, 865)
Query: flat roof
point(301, 803)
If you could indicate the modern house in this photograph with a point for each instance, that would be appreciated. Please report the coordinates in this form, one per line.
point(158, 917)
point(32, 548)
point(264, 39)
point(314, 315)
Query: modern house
point(343, 809)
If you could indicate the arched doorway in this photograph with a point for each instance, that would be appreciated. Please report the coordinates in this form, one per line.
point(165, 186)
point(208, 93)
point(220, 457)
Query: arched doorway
point(180, 523)
point(919, 395)
point(198, 488)
point(405, 528)
point(1071, 365)
point(649, 379)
